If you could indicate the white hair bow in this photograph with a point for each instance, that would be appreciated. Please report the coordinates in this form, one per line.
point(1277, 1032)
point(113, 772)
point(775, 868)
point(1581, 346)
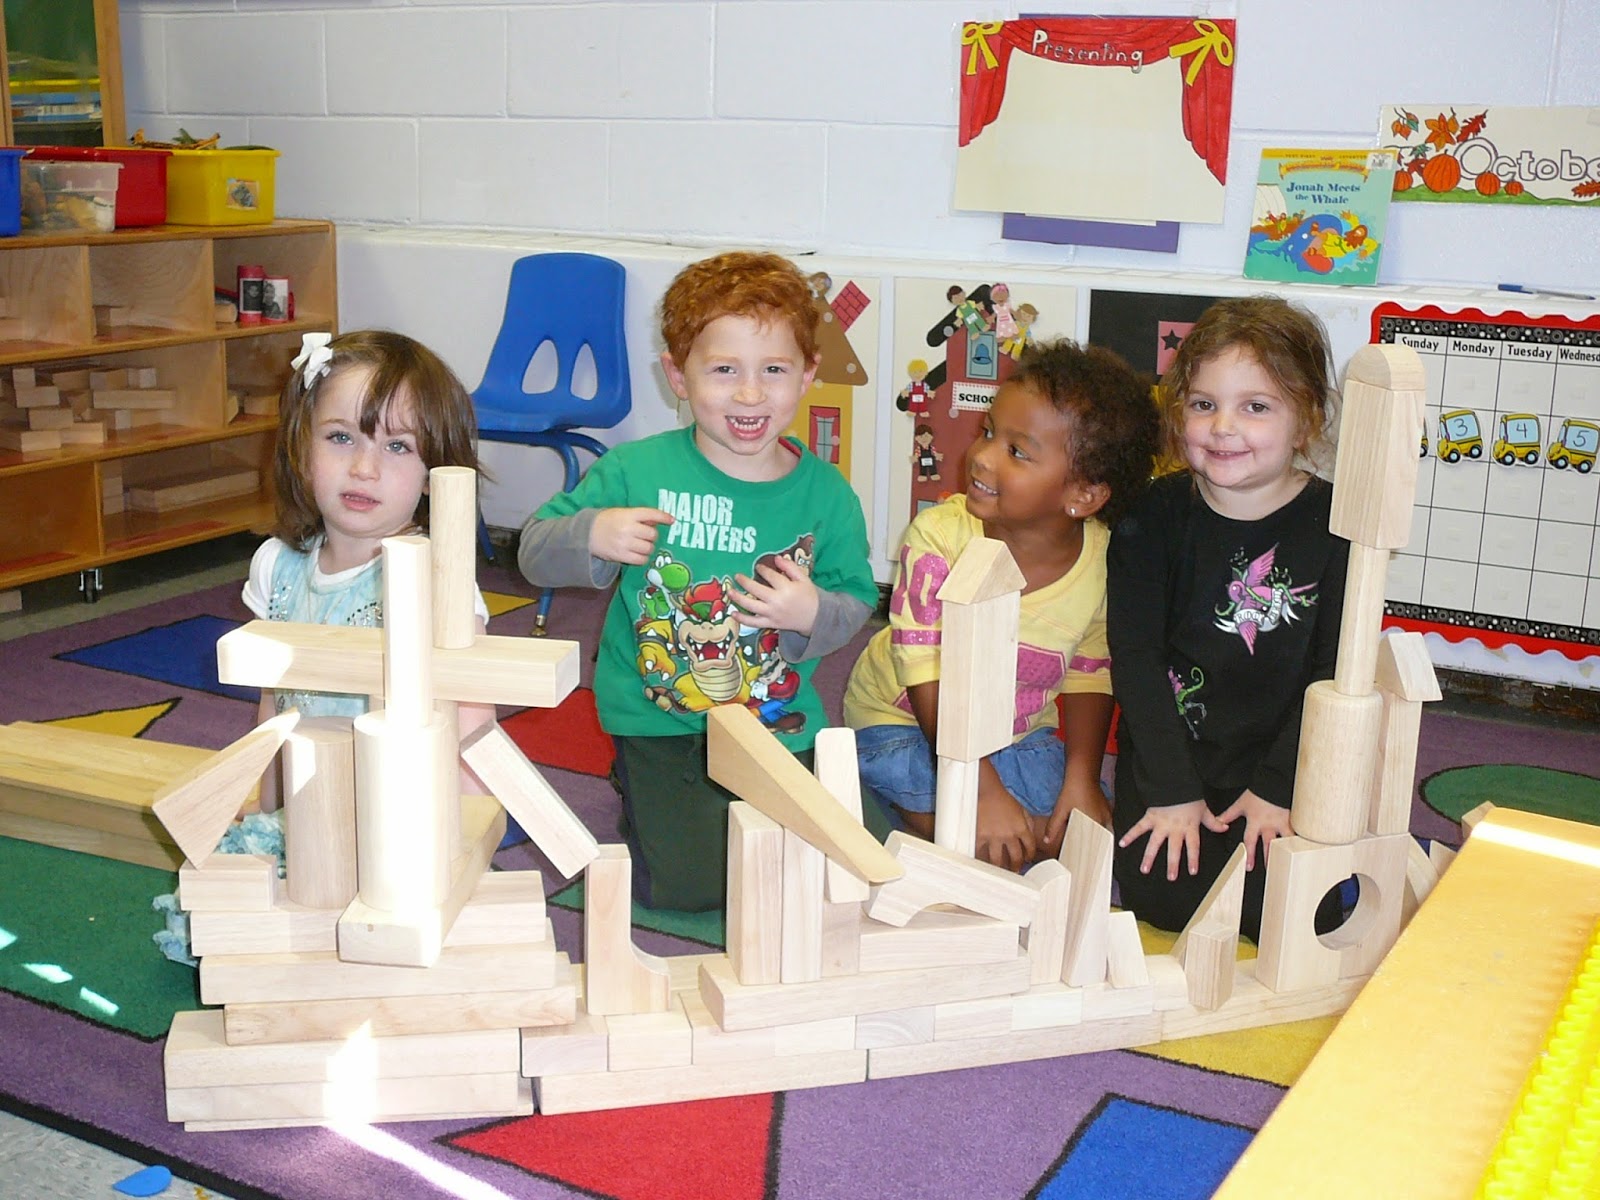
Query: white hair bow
point(314, 356)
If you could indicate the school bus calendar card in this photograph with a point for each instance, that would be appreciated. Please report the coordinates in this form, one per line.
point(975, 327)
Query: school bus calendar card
point(1113, 118)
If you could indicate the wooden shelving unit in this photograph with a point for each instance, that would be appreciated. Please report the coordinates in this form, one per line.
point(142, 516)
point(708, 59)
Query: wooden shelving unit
point(52, 500)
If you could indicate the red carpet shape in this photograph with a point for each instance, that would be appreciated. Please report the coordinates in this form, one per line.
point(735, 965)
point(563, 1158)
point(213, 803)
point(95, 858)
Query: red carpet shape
point(566, 736)
point(700, 1150)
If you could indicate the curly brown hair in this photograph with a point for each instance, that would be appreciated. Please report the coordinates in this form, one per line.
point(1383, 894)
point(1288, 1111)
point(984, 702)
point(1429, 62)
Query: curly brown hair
point(740, 283)
point(1112, 416)
point(403, 371)
point(1290, 344)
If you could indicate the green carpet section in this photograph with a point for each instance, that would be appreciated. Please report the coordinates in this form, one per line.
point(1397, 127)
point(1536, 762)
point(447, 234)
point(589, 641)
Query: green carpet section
point(704, 927)
point(75, 932)
point(1543, 790)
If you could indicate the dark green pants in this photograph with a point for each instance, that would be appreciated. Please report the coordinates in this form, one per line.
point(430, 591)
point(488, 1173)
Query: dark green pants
point(676, 821)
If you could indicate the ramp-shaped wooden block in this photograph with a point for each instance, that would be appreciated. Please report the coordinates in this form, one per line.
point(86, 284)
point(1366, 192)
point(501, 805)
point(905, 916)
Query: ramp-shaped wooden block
point(1222, 904)
point(737, 1006)
point(981, 601)
point(1299, 873)
point(197, 1054)
point(935, 875)
point(1086, 853)
point(1125, 960)
point(936, 939)
point(619, 977)
point(537, 672)
point(836, 767)
point(197, 808)
point(229, 883)
point(747, 759)
point(317, 1020)
point(533, 803)
point(416, 939)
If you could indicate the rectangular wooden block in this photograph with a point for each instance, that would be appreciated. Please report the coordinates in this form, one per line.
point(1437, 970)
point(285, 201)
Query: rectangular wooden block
point(357, 1102)
point(738, 1006)
point(266, 978)
point(197, 1054)
point(135, 398)
point(667, 1085)
point(935, 938)
point(713, 1044)
point(1021, 1046)
point(1252, 1005)
point(640, 1041)
point(181, 491)
point(523, 1107)
point(581, 1046)
point(229, 883)
point(901, 1027)
point(29, 441)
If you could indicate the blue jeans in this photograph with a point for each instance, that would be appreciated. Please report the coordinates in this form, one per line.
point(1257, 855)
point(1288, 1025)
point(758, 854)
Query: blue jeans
point(897, 763)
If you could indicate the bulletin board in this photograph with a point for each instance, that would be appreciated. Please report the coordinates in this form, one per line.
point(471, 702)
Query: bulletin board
point(1505, 537)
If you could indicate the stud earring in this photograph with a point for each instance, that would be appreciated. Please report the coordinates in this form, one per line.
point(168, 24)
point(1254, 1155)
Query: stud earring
point(1072, 512)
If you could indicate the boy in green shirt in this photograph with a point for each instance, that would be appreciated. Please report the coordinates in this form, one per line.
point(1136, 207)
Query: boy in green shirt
point(742, 560)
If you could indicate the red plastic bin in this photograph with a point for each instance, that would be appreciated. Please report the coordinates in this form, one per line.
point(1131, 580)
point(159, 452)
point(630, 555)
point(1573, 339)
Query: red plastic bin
point(141, 184)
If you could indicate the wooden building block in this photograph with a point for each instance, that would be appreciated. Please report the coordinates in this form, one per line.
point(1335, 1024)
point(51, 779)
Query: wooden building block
point(747, 759)
point(229, 883)
point(91, 433)
point(578, 1047)
point(936, 939)
point(1086, 853)
point(38, 397)
point(619, 977)
point(1253, 1005)
point(738, 1006)
point(713, 1044)
point(935, 875)
point(11, 600)
point(66, 836)
point(49, 418)
point(1380, 421)
point(142, 377)
point(1299, 874)
point(532, 802)
point(955, 802)
point(103, 378)
point(198, 807)
point(535, 672)
point(1222, 904)
point(403, 844)
point(524, 1107)
point(157, 399)
point(1016, 1046)
point(1421, 876)
point(69, 378)
point(899, 1027)
point(199, 487)
point(1208, 960)
point(1045, 939)
point(197, 1054)
point(981, 600)
point(835, 765)
point(1102, 1002)
point(841, 938)
point(1167, 978)
point(416, 937)
point(23, 377)
point(270, 978)
point(801, 933)
point(1440, 855)
point(1047, 1005)
point(1336, 768)
point(242, 1106)
point(29, 441)
point(383, 1016)
point(1125, 961)
point(985, 1016)
point(668, 1085)
point(1469, 820)
point(755, 894)
point(640, 1041)
point(319, 812)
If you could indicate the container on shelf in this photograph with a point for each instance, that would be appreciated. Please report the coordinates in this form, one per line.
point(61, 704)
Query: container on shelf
point(220, 187)
point(69, 195)
point(11, 190)
point(141, 184)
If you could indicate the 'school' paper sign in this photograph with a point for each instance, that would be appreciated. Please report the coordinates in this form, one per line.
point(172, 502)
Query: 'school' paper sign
point(1121, 118)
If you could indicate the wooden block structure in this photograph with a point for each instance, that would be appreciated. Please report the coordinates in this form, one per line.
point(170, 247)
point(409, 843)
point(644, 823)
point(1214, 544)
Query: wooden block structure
point(43, 410)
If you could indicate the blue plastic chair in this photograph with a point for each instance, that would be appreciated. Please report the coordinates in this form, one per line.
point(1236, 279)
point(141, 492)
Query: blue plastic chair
point(570, 301)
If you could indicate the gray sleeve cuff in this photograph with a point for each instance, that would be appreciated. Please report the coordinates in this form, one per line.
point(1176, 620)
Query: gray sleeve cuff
point(554, 552)
point(839, 617)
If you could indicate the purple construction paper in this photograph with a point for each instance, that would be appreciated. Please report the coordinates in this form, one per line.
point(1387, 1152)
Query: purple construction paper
point(1161, 237)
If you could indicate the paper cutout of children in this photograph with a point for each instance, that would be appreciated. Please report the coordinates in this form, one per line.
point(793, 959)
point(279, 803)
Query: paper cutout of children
point(1005, 325)
point(917, 393)
point(968, 312)
point(924, 456)
point(1025, 315)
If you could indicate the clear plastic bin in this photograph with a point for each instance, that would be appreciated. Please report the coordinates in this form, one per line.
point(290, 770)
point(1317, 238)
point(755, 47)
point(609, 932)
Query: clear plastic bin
point(69, 196)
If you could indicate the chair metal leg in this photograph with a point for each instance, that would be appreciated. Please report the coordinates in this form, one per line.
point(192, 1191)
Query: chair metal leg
point(542, 617)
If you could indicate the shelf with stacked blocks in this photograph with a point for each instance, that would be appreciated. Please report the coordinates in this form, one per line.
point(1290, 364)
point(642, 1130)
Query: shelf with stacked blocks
point(134, 415)
point(386, 976)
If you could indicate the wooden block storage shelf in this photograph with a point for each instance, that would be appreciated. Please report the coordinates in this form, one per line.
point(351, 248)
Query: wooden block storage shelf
point(157, 284)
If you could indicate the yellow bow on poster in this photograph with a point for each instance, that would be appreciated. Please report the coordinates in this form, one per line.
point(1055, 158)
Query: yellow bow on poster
point(976, 34)
point(1211, 38)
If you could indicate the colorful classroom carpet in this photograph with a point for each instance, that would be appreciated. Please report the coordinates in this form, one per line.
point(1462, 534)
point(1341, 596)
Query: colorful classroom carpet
point(85, 997)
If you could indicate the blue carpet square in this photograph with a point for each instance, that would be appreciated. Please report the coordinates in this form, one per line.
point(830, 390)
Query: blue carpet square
point(1127, 1150)
point(183, 653)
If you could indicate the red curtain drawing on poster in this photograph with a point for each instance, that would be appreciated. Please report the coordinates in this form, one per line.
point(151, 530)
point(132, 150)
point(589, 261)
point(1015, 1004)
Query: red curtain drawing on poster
point(1203, 47)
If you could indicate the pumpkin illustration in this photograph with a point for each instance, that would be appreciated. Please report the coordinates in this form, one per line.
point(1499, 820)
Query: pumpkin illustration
point(1514, 188)
point(1442, 173)
point(1487, 183)
point(1402, 179)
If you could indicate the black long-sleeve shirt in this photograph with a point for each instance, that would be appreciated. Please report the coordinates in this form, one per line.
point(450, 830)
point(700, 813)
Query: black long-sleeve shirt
point(1216, 627)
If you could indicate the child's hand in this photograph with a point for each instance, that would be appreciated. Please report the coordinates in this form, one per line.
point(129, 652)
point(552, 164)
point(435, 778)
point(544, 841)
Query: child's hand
point(1005, 830)
point(1263, 821)
point(1086, 798)
point(1177, 826)
point(626, 535)
point(785, 599)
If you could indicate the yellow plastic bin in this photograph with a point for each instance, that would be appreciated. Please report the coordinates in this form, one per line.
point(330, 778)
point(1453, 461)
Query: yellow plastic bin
point(220, 187)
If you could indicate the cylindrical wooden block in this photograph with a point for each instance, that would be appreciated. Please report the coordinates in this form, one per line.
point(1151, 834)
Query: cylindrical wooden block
point(453, 527)
point(1336, 770)
point(319, 812)
point(1360, 624)
point(402, 842)
point(407, 631)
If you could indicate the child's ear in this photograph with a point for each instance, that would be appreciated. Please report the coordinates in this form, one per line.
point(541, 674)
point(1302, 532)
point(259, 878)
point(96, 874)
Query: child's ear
point(674, 375)
point(811, 372)
point(1086, 499)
